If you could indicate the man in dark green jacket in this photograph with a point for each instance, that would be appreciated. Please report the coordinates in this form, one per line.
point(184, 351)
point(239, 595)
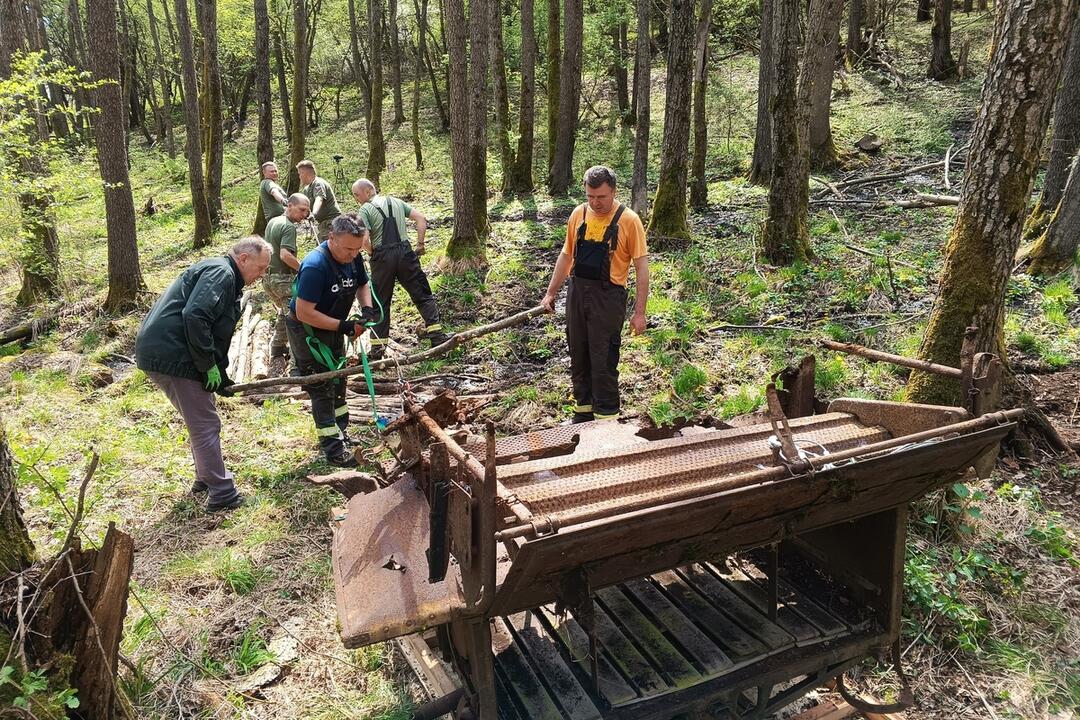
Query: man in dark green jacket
point(183, 347)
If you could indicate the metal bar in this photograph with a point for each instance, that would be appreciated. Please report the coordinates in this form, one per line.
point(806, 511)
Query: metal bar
point(773, 570)
point(521, 513)
point(879, 356)
point(560, 520)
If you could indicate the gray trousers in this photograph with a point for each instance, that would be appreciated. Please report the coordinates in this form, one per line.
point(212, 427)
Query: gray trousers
point(199, 411)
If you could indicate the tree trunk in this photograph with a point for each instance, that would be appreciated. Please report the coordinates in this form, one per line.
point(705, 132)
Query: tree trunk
point(669, 206)
point(942, 65)
point(298, 144)
point(395, 64)
point(968, 6)
point(1014, 111)
point(554, 72)
point(193, 141)
point(41, 247)
point(480, 19)
point(823, 37)
point(1065, 142)
point(618, 68)
point(464, 242)
point(163, 79)
point(421, 51)
point(358, 66)
point(125, 276)
point(54, 98)
point(761, 163)
point(283, 89)
point(699, 192)
point(376, 143)
point(502, 98)
point(78, 59)
point(444, 118)
point(786, 237)
point(264, 151)
point(1056, 249)
point(16, 549)
point(639, 191)
point(206, 12)
point(856, 48)
point(562, 169)
point(521, 173)
point(922, 14)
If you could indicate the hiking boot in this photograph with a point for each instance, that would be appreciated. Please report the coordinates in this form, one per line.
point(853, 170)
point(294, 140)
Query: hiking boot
point(435, 338)
point(198, 487)
point(345, 460)
point(236, 501)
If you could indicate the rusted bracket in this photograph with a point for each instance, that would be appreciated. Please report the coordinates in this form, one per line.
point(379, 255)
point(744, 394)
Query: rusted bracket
point(788, 453)
point(439, 489)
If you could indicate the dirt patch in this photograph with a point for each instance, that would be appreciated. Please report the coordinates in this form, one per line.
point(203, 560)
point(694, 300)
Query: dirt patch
point(1058, 395)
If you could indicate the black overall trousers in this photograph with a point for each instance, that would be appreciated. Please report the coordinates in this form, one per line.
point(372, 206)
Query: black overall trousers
point(595, 312)
point(328, 407)
point(394, 260)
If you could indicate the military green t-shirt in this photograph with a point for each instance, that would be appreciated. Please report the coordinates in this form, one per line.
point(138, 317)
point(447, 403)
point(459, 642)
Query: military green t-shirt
point(319, 188)
point(374, 220)
point(280, 233)
point(271, 207)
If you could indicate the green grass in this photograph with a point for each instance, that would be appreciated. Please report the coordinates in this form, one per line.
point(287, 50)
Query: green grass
point(204, 577)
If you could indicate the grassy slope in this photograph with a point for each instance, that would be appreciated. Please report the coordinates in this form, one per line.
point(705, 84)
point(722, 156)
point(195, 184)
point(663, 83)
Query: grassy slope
point(219, 588)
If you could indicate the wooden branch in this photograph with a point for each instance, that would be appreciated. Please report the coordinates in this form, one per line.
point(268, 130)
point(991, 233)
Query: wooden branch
point(917, 201)
point(878, 356)
point(871, 253)
point(437, 351)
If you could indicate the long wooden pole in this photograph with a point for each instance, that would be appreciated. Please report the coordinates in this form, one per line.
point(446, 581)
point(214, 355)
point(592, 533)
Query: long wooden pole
point(458, 339)
point(879, 356)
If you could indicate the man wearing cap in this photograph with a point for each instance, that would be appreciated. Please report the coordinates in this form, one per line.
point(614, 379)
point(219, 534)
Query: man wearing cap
point(603, 238)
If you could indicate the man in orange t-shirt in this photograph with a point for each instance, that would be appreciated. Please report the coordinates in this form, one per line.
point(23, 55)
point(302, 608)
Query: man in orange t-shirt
point(602, 238)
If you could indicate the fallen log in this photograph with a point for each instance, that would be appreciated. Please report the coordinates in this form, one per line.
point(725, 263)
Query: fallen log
point(437, 351)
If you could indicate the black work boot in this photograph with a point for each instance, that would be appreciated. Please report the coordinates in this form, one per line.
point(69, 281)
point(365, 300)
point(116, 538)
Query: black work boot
point(344, 459)
point(435, 338)
point(581, 417)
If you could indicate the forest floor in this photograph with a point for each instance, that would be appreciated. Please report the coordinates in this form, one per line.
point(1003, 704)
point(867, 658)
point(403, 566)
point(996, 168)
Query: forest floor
point(992, 619)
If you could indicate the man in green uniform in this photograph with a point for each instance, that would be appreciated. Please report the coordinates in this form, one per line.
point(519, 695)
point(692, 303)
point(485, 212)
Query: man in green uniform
point(271, 195)
point(284, 262)
point(324, 206)
point(183, 347)
point(392, 259)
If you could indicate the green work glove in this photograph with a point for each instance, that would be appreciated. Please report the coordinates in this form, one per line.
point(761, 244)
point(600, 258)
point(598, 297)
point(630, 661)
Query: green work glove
point(213, 379)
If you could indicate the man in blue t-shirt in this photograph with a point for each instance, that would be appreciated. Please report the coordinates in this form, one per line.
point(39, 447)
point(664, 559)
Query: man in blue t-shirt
point(329, 279)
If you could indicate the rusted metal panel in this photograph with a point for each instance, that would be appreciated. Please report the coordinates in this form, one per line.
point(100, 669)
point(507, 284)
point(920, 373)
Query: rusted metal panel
point(899, 418)
point(380, 568)
point(673, 534)
point(639, 473)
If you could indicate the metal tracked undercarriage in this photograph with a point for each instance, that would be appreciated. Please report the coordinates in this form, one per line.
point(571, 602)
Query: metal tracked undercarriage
point(587, 572)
